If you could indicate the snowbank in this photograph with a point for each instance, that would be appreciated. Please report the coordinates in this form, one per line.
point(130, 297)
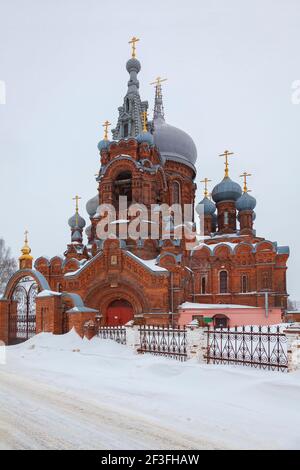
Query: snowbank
point(210, 406)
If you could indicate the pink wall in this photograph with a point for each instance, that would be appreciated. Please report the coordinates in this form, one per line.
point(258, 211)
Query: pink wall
point(237, 316)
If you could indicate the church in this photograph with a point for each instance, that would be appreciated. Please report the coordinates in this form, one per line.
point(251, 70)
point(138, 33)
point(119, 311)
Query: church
point(108, 275)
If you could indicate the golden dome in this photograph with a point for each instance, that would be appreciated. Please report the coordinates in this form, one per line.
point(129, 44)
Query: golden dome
point(26, 250)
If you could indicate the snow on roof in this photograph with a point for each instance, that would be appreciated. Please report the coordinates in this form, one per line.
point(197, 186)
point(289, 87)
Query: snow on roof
point(48, 293)
point(149, 263)
point(190, 305)
point(82, 309)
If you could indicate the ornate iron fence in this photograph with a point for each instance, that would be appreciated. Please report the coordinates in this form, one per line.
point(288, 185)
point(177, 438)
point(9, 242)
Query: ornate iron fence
point(22, 324)
point(164, 341)
point(116, 333)
point(259, 347)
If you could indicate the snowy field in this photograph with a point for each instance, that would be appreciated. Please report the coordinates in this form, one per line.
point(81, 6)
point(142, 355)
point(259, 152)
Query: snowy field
point(62, 392)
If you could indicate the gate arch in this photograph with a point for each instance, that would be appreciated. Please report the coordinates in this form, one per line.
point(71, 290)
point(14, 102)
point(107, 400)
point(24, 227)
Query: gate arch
point(22, 290)
point(22, 318)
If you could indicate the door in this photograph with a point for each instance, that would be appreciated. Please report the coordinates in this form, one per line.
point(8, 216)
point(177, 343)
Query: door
point(119, 313)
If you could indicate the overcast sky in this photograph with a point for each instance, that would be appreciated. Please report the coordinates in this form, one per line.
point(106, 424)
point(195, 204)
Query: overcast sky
point(230, 67)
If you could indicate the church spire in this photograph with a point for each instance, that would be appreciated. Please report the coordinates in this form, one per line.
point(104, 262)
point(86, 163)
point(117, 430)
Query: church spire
point(130, 121)
point(159, 111)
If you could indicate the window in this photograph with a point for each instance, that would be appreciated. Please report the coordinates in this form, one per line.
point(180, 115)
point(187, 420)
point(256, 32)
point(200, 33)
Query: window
point(203, 285)
point(176, 193)
point(127, 105)
point(126, 130)
point(123, 187)
point(223, 282)
point(221, 321)
point(244, 283)
point(226, 218)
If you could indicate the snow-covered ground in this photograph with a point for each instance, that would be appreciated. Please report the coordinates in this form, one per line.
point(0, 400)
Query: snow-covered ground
point(62, 392)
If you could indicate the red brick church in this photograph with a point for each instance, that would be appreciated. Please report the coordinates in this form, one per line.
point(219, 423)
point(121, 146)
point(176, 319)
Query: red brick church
point(115, 279)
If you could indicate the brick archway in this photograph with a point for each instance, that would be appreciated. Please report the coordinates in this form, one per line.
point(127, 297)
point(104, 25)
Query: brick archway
point(103, 295)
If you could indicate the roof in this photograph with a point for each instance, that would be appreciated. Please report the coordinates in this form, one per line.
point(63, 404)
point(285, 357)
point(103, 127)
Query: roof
point(192, 305)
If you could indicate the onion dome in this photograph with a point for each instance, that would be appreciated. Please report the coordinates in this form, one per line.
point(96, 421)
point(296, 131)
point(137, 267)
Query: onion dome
point(103, 144)
point(209, 207)
point(26, 250)
point(92, 205)
point(226, 190)
point(76, 221)
point(173, 143)
point(133, 65)
point(246, 202)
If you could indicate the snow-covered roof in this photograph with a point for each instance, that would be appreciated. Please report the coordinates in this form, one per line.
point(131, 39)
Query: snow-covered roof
point(192, 305)
point(48, 293)
point(148, 263)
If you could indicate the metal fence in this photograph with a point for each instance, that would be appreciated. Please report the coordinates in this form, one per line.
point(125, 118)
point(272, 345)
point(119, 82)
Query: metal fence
point(259, 347)
point(116, 333)
point(164, 341)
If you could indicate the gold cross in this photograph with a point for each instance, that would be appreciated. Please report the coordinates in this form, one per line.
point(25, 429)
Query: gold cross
point(158, 81)
point(133, 42)
point(205, 181)
point(226, 154)
point(26, 236)
point(77, 198)
point(144, 120)
point(106, 126)
point(245, 175)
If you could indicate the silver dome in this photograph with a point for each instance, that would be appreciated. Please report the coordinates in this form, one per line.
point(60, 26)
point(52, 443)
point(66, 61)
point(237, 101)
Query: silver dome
point(92, 205)
point(173, 143)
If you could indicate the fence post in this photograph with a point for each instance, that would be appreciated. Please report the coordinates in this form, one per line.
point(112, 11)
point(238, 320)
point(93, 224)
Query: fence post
point(293, 346)
point(132, 335)
point(196, 341)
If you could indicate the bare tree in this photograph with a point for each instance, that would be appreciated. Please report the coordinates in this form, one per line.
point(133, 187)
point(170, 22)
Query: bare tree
point(8, 265)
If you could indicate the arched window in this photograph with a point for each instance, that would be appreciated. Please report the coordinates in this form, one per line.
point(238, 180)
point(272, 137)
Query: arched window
point(125, 130)
point(226, 218)
point(127, 105)
point(123, 187)
point(176, 193)
point(203, 285)
point(223, 282)
point(244, 283)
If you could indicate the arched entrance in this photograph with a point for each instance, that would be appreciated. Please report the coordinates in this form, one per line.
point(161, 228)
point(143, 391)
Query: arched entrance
point(119, 312)
point(22, 320)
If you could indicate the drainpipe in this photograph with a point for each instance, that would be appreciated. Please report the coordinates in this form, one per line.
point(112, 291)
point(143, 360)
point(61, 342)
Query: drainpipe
point(267, 304)
point(193, 282)
point(172, 299)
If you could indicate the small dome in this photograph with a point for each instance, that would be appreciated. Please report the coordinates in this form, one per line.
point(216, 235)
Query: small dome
point(76, 221)
point(173, 143)
point(145, 137)
point(227, 190)
point(246, 202)
point(92, 205)
point(133, 65)
point(209, 207)
point(103, 144)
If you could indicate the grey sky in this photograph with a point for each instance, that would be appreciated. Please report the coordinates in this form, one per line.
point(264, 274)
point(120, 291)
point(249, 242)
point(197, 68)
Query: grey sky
point(230, 65)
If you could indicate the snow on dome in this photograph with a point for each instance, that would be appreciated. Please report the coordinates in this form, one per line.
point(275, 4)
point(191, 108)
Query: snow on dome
point(173, 143)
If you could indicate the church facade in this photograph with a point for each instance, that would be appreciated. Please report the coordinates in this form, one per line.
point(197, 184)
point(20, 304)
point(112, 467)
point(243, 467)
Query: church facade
point(108, 275)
